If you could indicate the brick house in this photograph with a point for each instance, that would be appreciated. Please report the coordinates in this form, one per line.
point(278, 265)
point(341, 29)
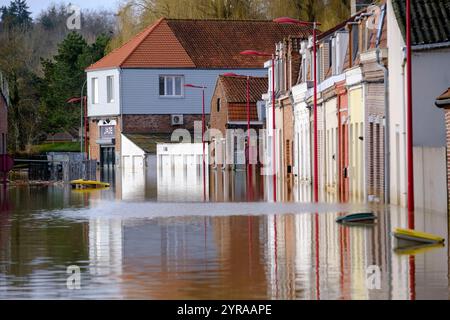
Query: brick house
point(443, 102)
point(287, 70)
point(229, 107)
point(139, 88)
point(350, 109)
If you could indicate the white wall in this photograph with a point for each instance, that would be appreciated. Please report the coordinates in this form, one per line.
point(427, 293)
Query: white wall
point(396, 110)
point(431, 76)
point(133, 157)
point(103, 108)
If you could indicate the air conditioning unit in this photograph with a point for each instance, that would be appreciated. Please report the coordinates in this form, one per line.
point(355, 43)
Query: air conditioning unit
point(177, 120)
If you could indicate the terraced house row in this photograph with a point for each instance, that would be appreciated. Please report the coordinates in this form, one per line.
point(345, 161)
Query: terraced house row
point(361, 110)
point(137, 97)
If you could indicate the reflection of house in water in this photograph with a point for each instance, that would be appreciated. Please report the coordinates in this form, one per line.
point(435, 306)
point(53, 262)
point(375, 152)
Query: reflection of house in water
point(236, 186)
point(180, 174)
point(105, 246)
point(239, 245)
point(169, 258)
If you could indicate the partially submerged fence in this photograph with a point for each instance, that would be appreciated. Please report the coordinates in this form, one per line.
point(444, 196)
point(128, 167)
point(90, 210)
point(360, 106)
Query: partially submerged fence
point(61, 167)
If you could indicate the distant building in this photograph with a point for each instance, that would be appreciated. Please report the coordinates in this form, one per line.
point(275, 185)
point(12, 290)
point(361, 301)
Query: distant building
point(229, 109)
point(140, 87)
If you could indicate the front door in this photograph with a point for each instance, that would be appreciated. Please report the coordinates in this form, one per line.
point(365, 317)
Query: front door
point(344, 184)
point(108, 157)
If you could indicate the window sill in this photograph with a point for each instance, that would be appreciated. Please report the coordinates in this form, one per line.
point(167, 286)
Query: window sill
point(171, 97)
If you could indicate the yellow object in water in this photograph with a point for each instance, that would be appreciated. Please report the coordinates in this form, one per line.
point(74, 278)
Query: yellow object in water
point(89, 184)
point(417, 236)
point(412, 251)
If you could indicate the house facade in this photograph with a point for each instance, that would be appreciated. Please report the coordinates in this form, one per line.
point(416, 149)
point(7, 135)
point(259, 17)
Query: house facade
point(140, 87)
point(350, 66)
point(229, 114)
point(431, 76)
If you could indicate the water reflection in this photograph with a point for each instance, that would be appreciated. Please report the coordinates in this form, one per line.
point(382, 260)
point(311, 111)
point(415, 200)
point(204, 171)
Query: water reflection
point(278, 256)
point(281, 255)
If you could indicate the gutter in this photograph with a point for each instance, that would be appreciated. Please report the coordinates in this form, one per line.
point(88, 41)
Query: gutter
point(387, 147)
point(423, 47)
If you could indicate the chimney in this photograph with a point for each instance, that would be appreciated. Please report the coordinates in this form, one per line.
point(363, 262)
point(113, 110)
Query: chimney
point(358, 5)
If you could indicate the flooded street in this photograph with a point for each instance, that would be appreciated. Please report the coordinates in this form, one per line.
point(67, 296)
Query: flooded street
point(154, 237)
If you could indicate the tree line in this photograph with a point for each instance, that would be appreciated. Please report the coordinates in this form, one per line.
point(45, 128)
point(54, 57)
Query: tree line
point(135, 15)
point(44, 62)
point(44, 65)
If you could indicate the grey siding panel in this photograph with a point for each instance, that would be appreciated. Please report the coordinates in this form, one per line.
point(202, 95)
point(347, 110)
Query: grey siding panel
point(140, 90)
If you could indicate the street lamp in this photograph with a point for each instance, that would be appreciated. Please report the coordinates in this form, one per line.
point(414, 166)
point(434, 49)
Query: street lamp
point(286, 20)
point(203, 132)
point(265, 54)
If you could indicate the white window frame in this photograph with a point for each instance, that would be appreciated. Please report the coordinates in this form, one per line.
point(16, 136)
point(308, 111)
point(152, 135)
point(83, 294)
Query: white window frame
point(95, 91)
point(110, 94)
point(173, 77)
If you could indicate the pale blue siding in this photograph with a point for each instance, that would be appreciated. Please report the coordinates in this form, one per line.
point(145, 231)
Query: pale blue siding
point(140, 90)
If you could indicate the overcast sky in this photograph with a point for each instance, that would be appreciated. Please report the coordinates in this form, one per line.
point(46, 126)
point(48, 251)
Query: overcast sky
point(36, 6)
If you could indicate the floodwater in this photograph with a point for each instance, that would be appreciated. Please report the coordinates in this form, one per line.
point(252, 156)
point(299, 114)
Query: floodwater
point(170, 236)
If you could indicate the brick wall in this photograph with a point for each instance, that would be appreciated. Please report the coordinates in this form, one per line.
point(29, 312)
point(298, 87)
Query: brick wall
point(447, 126)
point(219, 118)
point(3, 125)
point(157, 123)
point(94, 135)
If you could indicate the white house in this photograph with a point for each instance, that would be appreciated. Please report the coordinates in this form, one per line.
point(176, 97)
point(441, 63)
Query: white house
point(431, 77)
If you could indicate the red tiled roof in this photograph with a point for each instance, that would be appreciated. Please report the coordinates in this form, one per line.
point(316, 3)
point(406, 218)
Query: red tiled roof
point(235, 88)
point(238, 112)
point(200, 44)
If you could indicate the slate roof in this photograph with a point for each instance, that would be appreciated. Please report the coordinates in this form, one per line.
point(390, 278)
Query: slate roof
point(174, 43)
point(430, 20)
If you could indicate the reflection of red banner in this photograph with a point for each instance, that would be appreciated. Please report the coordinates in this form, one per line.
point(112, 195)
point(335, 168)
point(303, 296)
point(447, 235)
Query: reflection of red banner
point(6, 163)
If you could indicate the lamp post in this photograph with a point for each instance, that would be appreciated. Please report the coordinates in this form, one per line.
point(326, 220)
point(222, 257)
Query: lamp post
point(286, 20)
point(82, 125)
point(265, 54)
point(203, 133)
point(410, 159)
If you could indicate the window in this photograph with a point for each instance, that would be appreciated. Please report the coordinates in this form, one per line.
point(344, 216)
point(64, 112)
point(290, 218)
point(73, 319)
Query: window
point(171, 86)
point(110, 88)
point(94, 90)
point(218, 104)
point(107, 132)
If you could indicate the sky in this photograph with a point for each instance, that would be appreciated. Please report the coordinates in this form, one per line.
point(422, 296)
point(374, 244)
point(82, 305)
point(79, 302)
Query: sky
point(36, 6)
